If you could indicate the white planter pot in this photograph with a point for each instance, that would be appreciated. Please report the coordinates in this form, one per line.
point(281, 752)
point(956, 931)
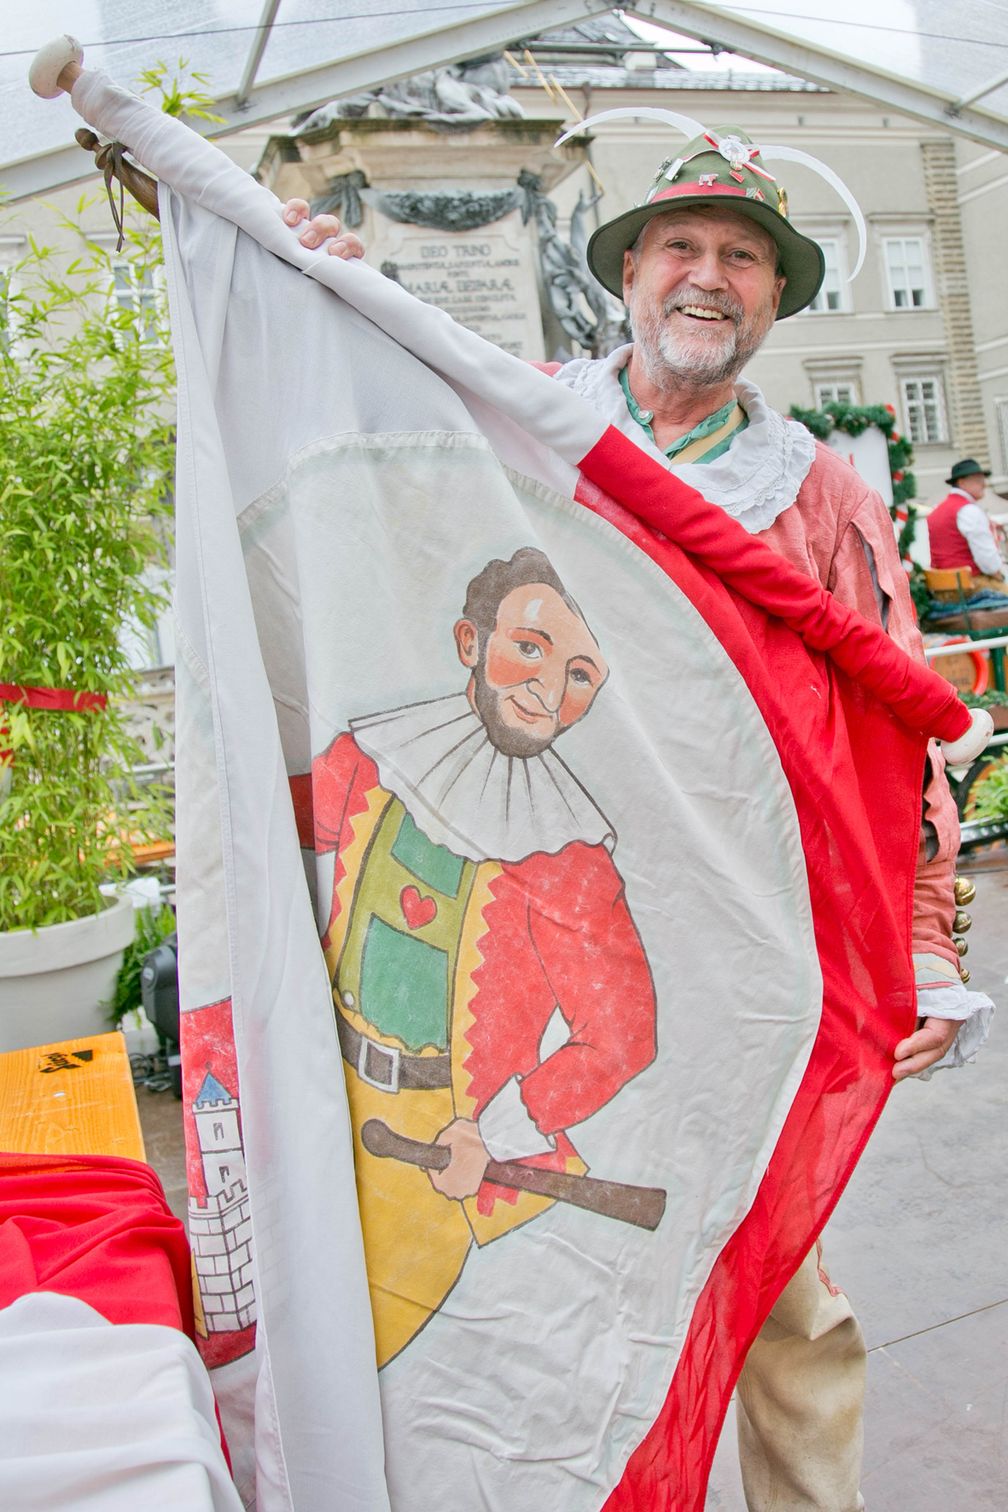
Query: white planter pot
point(53, 981)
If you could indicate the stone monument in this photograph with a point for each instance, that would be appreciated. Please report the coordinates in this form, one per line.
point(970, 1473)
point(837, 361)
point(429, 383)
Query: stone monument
point(447, 183)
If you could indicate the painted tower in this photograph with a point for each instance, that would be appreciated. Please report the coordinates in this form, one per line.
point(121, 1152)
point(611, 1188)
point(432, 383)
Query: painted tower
point(220, 1226)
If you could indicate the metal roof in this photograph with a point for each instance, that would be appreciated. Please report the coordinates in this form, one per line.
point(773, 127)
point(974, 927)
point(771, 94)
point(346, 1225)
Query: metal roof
point(942, 64)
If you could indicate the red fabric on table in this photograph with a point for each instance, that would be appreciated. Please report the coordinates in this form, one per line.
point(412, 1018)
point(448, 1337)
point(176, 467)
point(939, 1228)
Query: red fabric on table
point(98, 1228)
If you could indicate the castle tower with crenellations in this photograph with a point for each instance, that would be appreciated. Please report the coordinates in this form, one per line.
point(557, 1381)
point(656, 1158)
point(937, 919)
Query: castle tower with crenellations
point(220, 1226)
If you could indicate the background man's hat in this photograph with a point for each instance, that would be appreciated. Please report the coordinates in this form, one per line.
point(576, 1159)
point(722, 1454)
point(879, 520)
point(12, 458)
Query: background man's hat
point(724, 168)
point(967, 468)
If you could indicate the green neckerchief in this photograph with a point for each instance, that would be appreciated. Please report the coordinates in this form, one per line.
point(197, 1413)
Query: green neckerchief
point(705, 428)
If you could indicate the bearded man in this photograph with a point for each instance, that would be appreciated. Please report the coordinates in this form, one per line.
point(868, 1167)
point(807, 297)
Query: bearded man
point(706, 265)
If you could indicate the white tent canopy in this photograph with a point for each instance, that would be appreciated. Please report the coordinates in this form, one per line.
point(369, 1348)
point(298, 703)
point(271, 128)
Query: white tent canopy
point(944, 65)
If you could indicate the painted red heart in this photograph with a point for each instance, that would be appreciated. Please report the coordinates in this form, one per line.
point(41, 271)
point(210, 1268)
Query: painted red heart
point(417, 910)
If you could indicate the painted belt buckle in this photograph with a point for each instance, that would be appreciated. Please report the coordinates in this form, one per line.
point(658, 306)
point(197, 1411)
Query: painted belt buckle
point(388, 1055)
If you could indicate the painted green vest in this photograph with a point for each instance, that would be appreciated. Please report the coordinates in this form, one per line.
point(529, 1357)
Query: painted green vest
point(398, 960)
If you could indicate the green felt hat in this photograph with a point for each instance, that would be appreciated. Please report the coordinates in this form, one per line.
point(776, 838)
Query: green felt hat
point(722, 168)
point(967, 468)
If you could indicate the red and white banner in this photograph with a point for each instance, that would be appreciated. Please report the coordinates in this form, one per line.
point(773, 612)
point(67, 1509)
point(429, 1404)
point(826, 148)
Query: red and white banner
point(530, 809)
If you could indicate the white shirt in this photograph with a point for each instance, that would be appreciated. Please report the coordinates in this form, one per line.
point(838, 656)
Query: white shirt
point(754, 481)
point(972, 522)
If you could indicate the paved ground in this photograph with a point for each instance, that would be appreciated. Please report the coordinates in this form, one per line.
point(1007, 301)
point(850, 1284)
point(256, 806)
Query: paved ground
point(161, 1121)
point(918, 1244)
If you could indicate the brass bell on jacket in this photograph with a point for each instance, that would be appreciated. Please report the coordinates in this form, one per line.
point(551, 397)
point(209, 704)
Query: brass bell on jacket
point(963, 890)
point(962, 923)
point(960, 945)
point(964, 974)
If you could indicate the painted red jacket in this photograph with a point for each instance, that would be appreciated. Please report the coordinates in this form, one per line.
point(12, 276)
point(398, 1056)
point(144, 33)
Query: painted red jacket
point(550, 932)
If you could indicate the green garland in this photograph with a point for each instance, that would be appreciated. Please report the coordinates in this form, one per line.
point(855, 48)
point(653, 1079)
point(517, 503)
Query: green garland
point(856, 418)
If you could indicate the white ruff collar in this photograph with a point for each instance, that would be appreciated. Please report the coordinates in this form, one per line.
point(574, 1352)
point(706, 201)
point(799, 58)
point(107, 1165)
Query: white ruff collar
point(462, 793)
point(754, 481)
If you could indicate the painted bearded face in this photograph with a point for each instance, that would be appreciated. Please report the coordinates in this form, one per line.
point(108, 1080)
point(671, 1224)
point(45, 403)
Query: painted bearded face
point(537, 672)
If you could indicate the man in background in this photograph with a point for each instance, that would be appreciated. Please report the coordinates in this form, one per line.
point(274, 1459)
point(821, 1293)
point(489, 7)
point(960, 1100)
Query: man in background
point(960, 531)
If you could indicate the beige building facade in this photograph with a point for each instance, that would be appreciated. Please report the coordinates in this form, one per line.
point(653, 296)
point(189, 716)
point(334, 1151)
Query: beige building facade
point(982, 199)
point(924, 326)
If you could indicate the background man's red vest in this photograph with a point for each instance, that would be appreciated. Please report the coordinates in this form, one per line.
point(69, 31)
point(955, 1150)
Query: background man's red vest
point(949, 547)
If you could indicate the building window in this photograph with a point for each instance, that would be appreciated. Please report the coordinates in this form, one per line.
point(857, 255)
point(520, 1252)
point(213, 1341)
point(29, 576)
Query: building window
point(1001, 412)
point(136, 288)
point(843, 391)
point(907, 272)
point(924, 409)
point(832, 297)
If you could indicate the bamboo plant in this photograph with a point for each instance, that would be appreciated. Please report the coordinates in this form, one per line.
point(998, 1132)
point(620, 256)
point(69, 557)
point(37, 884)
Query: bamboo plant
point(86, 389)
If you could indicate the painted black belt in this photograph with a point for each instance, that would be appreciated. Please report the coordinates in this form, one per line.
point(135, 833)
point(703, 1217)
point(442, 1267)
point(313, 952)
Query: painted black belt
point(387, 1067)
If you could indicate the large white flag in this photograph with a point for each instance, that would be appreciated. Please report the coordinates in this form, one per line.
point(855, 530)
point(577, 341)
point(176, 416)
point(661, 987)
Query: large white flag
point(508, 827)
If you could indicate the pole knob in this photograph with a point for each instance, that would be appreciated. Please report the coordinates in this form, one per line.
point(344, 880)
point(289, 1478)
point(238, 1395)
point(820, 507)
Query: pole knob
point(50, 61)
point(968, 747)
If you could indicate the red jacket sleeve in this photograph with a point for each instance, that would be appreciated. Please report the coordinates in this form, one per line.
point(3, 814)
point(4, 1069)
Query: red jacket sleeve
point(594, 961)
point(839, 530)
point(340, 779)
point(867, 563)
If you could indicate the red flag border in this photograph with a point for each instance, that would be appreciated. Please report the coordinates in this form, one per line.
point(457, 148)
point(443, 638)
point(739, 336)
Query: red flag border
point(669, 1470)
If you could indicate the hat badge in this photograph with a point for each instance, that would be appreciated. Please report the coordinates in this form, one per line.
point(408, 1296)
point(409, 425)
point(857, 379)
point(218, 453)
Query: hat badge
point(738, 155)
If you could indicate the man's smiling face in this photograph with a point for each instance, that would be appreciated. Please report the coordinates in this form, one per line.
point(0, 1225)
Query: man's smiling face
point(536, 674)
point(702, 290)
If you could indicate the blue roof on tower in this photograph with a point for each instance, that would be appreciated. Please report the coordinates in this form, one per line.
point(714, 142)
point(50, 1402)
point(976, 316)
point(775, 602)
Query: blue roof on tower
point(212, 1092)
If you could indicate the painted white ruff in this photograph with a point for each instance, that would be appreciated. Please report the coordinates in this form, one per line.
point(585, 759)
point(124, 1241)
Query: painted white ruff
point(754, 481)
point(462, 793)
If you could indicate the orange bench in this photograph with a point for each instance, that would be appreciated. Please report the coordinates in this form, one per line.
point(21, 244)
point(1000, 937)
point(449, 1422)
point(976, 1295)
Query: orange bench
point(71, 1098)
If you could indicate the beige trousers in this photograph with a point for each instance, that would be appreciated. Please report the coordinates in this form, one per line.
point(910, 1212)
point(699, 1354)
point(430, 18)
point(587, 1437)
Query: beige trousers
point(800, 1401)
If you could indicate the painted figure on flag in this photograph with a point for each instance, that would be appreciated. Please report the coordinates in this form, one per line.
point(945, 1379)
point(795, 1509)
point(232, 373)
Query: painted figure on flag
point(490, 987)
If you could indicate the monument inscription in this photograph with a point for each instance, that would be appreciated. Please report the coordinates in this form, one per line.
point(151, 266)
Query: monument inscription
point(484, 278)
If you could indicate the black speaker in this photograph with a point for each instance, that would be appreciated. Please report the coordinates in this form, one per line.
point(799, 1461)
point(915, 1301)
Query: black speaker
point(159, 995)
